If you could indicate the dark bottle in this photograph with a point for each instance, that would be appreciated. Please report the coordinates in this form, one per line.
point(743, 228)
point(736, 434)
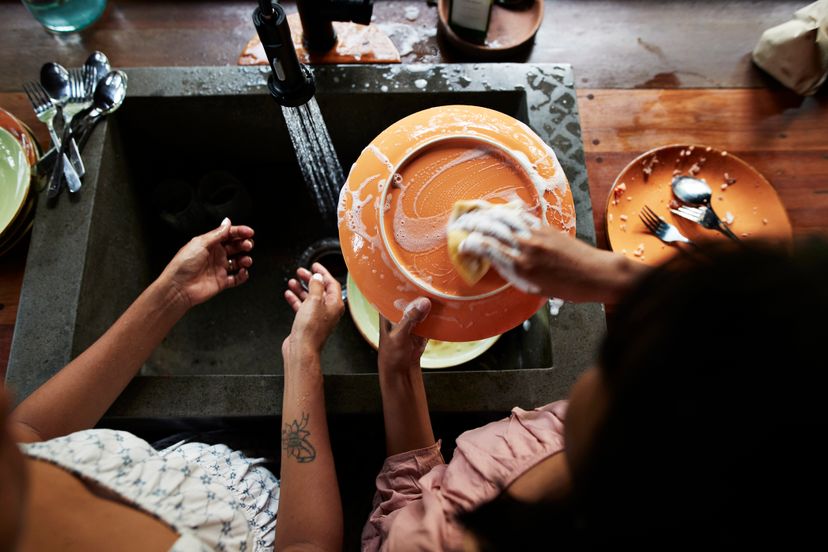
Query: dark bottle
point(469, 19)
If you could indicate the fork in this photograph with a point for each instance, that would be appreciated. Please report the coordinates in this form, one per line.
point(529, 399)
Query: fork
point(77, 90)
point(44, 108)
point(46, 111)
point(78, 77)
point(81, 90)
point(660, 228)
point(706, 217)
point(89, 81)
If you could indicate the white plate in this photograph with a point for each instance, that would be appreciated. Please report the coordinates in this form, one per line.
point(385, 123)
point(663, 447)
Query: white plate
point(438, 354)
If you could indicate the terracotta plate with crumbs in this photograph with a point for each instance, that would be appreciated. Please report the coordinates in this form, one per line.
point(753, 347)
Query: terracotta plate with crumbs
point(396, 202)
point(741, 195)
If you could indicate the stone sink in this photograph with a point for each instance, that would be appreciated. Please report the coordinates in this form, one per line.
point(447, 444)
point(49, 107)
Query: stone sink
point(92, 254)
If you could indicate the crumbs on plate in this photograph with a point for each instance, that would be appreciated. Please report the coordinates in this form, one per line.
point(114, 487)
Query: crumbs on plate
point(617, 192)
point(639, 251)
point(648, 164)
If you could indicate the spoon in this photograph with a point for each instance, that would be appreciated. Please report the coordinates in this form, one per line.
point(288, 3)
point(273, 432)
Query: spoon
point(55, 79)
point(108, 97)
point(692, 191)
point(98, 64)
point(696, 192)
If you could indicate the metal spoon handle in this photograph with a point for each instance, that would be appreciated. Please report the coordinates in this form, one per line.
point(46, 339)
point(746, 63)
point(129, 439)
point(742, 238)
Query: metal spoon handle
point(58, 170)
point(75, 157)
point(85, 131)
point(60, 122)
point(82, 130)
point(56, 174)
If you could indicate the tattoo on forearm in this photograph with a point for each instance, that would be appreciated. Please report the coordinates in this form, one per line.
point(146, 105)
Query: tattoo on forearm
point(295, 441)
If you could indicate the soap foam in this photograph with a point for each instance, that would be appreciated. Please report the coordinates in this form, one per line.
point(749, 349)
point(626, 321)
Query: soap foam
point(420, 234)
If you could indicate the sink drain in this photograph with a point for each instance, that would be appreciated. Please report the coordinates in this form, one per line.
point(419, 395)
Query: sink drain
point(328, 253)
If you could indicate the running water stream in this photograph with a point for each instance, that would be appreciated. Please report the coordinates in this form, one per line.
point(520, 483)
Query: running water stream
point(316, 156)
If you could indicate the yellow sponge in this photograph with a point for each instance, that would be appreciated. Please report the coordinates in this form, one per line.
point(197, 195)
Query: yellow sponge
point(470, 267)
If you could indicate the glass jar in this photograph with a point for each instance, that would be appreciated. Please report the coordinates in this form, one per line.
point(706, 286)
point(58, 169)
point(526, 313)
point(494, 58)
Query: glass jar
point(65, 16)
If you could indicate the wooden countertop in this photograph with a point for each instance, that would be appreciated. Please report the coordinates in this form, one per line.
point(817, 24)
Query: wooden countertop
point(649, 73)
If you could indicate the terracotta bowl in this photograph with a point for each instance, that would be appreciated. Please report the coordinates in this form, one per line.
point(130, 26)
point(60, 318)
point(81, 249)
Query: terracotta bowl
point(511, 29)
point(394, 208)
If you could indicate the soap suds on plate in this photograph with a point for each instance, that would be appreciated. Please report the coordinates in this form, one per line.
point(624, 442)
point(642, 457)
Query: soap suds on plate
point(405, 36)
point(555, 305)
point(412, 13)
point(420, 83)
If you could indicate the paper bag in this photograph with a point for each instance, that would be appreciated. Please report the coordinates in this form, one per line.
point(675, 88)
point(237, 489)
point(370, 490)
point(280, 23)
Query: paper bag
point(796, 52)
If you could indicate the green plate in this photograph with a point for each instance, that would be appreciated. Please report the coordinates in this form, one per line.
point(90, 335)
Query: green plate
point(15, 179)
point(17, 230)
point(438, 354)
point(16, 237)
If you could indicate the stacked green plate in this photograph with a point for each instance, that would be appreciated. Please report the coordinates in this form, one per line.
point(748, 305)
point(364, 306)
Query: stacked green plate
point(437, 354)
point(17, 200)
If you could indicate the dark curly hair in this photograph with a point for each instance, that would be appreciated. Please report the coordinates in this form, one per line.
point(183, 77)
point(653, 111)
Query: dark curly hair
point(716, 425)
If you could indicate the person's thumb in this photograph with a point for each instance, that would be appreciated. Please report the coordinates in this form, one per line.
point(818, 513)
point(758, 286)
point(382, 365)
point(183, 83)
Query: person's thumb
point(416, 311)
point(220, 234)
point(316, 286)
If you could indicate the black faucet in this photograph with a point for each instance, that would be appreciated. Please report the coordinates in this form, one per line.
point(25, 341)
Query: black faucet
point(290, 83)
point(317, 15)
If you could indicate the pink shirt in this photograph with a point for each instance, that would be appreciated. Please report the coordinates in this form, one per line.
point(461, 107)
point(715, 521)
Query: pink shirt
point(419, 495)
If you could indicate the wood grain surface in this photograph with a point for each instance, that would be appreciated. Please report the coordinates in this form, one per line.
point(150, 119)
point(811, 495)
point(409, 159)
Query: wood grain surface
point(784, 136)
point(611, 44)
point(650, 73)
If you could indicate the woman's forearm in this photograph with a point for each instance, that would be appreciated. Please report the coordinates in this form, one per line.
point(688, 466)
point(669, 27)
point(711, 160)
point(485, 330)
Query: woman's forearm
point(310, 510)
point(405, 410)
point(78, 395)
point(610, 275)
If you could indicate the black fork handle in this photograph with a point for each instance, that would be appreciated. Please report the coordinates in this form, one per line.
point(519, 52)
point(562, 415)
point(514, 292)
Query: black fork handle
point(728, 232)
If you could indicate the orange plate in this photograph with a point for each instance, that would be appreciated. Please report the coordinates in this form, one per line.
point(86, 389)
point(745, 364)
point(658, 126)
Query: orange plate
point(756, 208)
point(395, 205)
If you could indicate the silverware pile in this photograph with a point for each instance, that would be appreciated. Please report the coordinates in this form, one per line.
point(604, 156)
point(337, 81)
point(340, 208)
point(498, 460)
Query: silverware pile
point(695, 195)
point(70, 103)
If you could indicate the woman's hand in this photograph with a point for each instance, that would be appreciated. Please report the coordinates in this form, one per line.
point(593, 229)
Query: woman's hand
point(210, 263)
point(545, 261)
point(317, 310)
point(399, 349)
point(79, 394)
point(404, 403)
